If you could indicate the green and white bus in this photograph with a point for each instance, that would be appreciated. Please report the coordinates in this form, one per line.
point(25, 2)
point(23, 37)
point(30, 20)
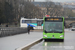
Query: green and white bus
point(53, 28)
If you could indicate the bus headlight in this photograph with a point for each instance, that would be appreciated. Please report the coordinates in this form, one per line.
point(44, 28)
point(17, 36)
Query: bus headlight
point(45, 35)
point(61, 36)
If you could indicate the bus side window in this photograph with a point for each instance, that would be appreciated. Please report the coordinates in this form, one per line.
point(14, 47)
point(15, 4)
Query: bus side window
point(23, 21)
point(39, 23)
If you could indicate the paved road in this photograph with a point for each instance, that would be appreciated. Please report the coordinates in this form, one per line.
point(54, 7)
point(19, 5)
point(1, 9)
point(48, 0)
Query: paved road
point(68, 44)
point(16, 41)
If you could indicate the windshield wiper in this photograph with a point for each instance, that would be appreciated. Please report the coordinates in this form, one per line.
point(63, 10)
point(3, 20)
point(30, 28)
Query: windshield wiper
point(53, 31)
point(45, 31)
point(57, 31)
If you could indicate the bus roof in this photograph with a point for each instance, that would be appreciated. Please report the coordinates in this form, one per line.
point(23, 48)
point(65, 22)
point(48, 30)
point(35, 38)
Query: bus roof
point(30, 19)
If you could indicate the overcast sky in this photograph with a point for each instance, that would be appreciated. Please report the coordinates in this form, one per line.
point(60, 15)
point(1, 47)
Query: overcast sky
point(56, 0)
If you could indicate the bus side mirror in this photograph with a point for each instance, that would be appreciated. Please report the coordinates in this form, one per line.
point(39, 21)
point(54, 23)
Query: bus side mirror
point(64, 23)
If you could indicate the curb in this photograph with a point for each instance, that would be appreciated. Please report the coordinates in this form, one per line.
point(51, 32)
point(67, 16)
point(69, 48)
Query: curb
point(26, 47)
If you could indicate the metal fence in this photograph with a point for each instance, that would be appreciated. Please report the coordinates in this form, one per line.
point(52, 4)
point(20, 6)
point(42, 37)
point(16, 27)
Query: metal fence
point(9, 25)
point(7, 31)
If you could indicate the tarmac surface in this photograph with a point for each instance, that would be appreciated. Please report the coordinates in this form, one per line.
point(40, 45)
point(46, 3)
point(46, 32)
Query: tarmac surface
point(68, 44)
point(16, 41)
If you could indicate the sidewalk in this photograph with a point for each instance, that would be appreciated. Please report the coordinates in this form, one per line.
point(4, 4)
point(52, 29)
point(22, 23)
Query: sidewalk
point(16, 41)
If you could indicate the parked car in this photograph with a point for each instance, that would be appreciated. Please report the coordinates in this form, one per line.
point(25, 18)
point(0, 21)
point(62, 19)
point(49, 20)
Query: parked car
point(73, 28)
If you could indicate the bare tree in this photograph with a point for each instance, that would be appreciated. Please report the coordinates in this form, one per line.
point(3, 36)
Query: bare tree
point(53, 9)
point(31, 11)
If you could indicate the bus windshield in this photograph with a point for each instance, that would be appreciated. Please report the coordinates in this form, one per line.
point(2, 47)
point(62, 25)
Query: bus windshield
point(53, 27)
